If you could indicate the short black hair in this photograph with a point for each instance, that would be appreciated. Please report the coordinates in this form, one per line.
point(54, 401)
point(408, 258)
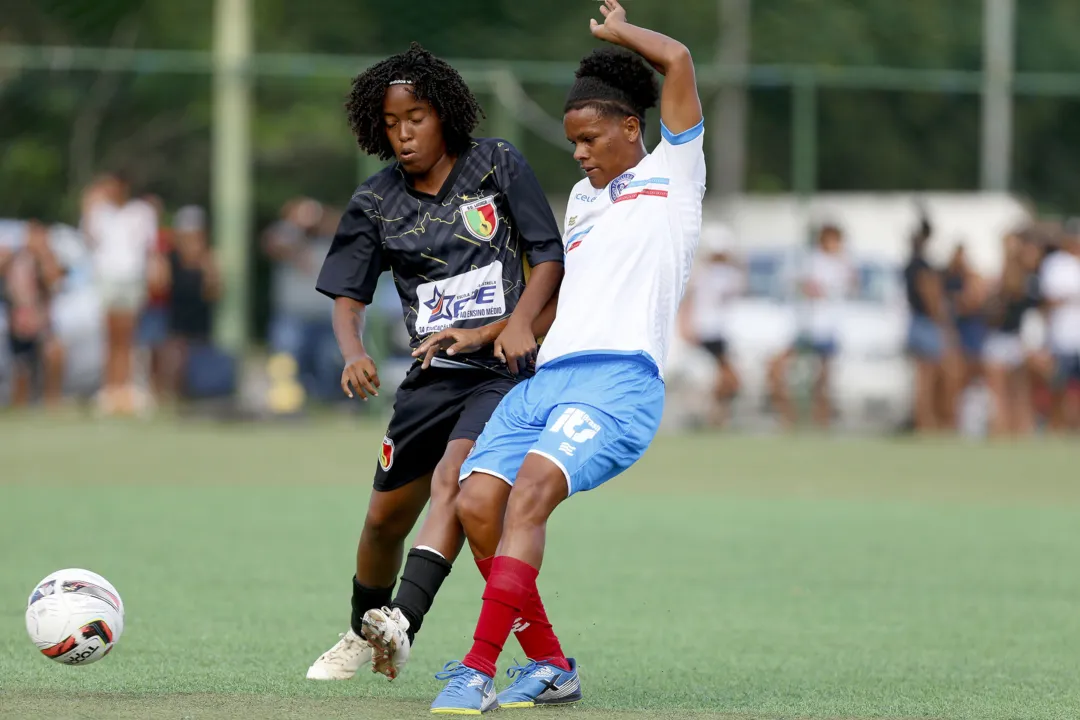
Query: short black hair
point(614, 80)
point(431, 79)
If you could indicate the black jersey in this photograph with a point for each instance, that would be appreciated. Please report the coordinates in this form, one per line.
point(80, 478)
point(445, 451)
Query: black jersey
point(458, 258)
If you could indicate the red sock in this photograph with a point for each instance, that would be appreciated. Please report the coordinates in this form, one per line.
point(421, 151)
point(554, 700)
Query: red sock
point(533, 629)
point(505, 595)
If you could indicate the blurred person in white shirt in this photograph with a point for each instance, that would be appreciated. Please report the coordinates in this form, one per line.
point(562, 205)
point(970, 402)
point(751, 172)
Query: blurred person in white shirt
point(826, 281)
point(715, 284)
point(122, 233)
point(1059, 286)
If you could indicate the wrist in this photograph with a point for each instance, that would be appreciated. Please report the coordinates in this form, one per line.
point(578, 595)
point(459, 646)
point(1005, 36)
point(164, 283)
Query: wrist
point(354, 357)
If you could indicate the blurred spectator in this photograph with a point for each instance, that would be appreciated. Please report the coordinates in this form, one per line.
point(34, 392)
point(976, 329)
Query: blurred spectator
point(717, 281)
point(122, 232)
point(1004, 355)
point(931, 336)
point(153, 330)
point(300, 325)
point(826, 281)
point(1059, 283)
point(31, 275)
point(194, 284)
point(965, 294)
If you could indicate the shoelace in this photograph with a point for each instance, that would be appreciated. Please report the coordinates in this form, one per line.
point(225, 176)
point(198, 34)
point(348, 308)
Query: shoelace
point(522, 671)
point(339, 648)
point(457, 674)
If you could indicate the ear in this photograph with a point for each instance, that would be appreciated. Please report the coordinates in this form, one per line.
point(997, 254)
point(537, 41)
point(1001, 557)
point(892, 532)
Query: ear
point(632, 129)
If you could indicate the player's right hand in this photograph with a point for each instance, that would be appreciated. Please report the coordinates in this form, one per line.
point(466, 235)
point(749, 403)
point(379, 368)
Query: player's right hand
point(360, 372)
point(453, 341)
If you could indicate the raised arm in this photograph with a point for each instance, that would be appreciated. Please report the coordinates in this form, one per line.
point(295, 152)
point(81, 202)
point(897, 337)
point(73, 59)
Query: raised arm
point(680, 106)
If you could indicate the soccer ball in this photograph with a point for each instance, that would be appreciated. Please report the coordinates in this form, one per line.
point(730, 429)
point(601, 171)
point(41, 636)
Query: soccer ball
point(75, 617)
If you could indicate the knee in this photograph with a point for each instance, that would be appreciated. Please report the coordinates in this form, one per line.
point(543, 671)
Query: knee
point(444, 482)
point(474, 510)
point(386, 526)
point(534, 497)
point(54, 352)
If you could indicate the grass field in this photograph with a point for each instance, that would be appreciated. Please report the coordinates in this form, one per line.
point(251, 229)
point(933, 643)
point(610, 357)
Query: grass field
point(719, 578)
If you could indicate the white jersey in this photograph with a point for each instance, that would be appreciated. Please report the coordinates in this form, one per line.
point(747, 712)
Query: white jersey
point(122, 238)
point(832, 275)
point(629, 251)
point(713, 288)
point(1059, 282)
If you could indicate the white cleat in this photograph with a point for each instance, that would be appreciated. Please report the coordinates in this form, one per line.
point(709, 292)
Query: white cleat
point(387, 632)
point(343, 660)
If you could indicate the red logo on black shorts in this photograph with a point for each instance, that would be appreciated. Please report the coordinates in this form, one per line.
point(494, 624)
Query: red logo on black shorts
point(386, 454)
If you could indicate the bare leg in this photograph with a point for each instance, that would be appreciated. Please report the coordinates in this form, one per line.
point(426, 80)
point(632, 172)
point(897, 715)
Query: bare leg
point(21, 384)
point(997, 381)
point(53, 366)
point(822, 406)
point(441, 530)
point(481, 506)
point(778, 386)
point(390, 517)
point(924, 410)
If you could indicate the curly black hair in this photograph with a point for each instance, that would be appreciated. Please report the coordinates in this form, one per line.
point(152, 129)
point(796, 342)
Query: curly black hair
point(433, 80)
point(614, 80)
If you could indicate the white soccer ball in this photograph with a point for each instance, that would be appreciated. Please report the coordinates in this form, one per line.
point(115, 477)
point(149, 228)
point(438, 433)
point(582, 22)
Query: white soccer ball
point(75, 617)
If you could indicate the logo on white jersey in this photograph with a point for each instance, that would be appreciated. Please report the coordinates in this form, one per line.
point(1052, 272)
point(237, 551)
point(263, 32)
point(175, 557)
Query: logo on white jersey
point(619, 184)
point(475, 294)
point(576, 239)
point(576, 425)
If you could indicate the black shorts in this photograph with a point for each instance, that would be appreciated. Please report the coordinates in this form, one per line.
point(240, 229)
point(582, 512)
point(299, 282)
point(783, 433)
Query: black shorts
point(431, 408)
point(25, 351)
point(717, 347)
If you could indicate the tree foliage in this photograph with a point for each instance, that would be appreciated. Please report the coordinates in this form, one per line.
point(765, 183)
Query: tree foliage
point(59, 127)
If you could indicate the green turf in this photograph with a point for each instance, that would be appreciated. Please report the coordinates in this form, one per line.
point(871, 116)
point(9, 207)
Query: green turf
point(731, 578)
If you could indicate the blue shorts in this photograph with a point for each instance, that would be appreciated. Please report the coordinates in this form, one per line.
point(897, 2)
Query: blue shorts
point(593, 416)
point(1066, 369)
point(153, 327)
point(972, 334)
point(924, 339)
point(822, 347)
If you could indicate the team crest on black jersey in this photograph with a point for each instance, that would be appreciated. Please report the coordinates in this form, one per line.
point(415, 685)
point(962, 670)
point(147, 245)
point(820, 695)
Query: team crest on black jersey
point(481, 218)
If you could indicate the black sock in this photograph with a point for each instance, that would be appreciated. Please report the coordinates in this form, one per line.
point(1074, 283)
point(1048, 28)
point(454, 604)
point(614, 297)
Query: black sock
point(423, 576)
point(364, 599)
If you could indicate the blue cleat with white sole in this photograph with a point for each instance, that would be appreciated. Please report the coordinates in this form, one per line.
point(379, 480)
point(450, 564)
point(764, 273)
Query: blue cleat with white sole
point(541, 683)
point(468, 692)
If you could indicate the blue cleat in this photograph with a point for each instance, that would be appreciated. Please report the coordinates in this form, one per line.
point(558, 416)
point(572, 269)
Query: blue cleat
point(469, 692)
point(541, 683)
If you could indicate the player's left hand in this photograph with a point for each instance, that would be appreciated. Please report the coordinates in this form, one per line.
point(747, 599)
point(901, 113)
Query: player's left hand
point(453, 341)
point(614, 15)
point(516, 346)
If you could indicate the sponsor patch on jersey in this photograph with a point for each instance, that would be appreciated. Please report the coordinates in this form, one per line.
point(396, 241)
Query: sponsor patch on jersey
point(475, 295)
point(386, 454)
point(481, 218)
point(619, 184)
point(650, 187)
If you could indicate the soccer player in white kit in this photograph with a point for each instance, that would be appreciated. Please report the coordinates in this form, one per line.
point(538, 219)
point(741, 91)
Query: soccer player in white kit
point(595, 403)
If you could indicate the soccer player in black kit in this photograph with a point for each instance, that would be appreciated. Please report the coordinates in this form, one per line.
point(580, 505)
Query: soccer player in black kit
point(459, 222)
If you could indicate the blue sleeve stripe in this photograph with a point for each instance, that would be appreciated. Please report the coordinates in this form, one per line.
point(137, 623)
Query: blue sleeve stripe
point(685, 136)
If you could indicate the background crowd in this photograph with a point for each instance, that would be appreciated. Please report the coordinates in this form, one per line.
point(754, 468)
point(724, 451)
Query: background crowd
point(1006, 343)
